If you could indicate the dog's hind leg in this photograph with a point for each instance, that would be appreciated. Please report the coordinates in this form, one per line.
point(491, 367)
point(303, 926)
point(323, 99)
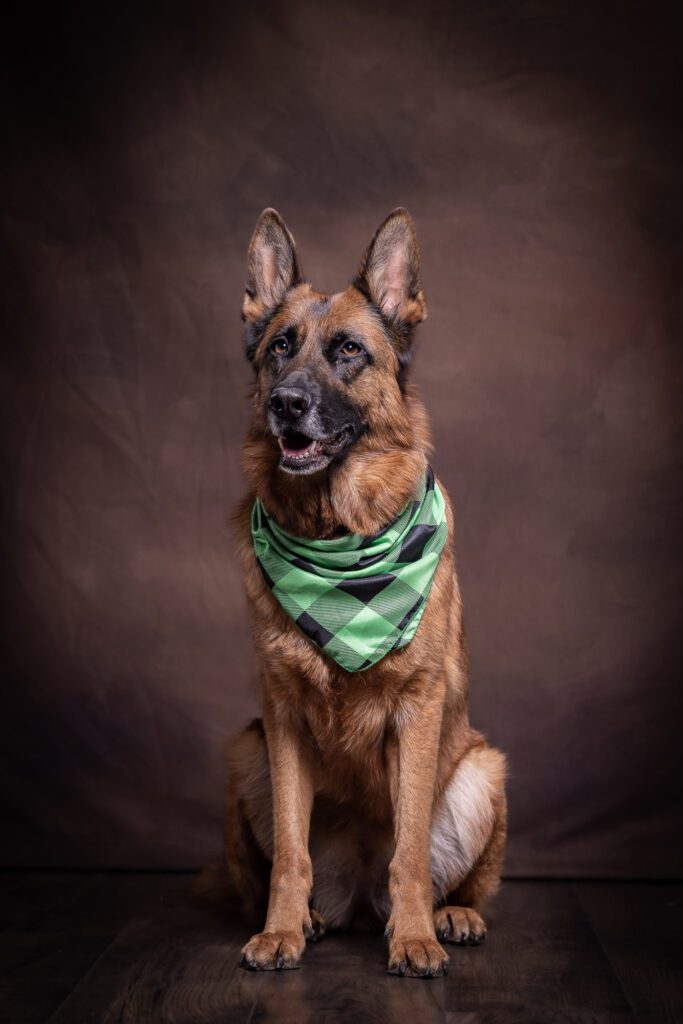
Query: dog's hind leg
point(248, 831)
point(467, 845)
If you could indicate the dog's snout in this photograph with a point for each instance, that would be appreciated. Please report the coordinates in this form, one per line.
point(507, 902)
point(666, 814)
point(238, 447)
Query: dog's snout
point(289, 403)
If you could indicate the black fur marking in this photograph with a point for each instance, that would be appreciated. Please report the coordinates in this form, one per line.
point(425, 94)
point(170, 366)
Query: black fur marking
point(291, 337)
point(349, 369)
point(403, 365)
point(334, 345)
point(399, 335)
point(254, 331)
point(336, 411)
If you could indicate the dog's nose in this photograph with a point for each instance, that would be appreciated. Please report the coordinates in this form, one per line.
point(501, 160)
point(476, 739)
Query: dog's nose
point(289, 403)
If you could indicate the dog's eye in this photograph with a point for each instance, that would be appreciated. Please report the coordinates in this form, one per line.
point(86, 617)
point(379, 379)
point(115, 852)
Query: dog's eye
point(350, 349)
point(280, 346)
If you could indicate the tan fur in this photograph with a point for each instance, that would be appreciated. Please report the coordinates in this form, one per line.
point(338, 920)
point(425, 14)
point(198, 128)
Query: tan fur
point(368, 791)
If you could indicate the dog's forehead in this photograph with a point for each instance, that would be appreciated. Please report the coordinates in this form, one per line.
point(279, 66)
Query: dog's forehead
point(316, 313)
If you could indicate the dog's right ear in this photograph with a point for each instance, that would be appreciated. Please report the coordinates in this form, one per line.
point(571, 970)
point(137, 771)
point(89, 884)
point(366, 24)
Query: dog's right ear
point(273, 268)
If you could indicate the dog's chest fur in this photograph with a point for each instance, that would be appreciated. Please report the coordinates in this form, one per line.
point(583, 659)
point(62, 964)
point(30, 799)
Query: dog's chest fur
point(349, 719)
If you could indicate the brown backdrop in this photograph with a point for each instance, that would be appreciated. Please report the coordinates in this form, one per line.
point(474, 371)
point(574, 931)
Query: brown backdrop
point(537, 148)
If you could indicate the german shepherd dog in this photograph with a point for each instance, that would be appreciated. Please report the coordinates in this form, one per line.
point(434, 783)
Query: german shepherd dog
point(363, 796)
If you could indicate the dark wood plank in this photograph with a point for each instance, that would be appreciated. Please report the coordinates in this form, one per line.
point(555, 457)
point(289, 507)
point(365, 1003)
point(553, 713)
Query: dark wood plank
point(56, 925)
point(540, 963)
point(640, 926)
point(188, 972)
point(38, 971)
point(178, 961)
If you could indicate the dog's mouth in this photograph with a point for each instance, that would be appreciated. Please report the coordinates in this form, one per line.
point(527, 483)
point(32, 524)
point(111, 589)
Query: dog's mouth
point(302, 453)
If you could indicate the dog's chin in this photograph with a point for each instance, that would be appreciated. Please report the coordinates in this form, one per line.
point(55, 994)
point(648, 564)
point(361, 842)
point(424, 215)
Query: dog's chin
point(302, 455)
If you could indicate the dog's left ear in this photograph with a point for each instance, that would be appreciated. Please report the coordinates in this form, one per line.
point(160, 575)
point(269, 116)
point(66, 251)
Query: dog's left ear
point(389, 274)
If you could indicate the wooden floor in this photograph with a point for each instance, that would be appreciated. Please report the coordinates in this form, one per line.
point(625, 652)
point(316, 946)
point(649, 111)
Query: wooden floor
point(137, 948)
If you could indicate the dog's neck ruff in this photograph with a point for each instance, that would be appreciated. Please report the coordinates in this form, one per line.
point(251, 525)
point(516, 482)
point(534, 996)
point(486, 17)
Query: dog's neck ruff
point(357, 597)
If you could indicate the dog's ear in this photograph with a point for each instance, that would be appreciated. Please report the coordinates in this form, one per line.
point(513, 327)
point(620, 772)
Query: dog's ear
point(389, 274)
point(273, 267)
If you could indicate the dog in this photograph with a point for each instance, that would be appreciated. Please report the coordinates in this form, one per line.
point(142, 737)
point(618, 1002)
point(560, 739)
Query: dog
point(363, 796)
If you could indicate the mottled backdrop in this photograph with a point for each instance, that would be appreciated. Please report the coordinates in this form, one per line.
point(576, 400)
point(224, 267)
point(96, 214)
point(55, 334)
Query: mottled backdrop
point(537, 146)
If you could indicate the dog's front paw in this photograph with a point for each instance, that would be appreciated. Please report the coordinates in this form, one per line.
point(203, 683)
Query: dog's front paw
point(417, 958)
point(273, 951)
point(460, 925)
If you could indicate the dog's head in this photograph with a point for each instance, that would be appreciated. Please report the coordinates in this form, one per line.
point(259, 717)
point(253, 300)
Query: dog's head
point(330, 369)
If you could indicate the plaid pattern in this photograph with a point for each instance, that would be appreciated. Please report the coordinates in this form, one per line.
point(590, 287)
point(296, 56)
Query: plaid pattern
point(357, 597)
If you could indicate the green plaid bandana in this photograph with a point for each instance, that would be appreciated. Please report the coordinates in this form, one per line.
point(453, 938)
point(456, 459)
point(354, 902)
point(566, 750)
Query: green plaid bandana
point(357, 597)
